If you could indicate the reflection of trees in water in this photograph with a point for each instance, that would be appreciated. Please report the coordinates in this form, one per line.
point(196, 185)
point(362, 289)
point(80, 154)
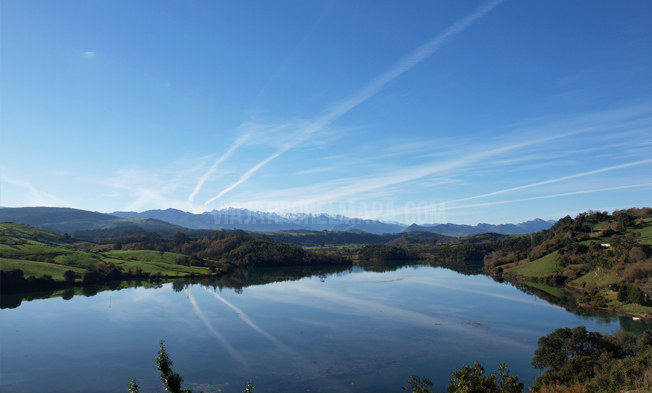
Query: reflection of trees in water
point(470, 269)
point(15, 299)
point(238, 279)
point(68, 294)
point(632, 326)
point(567, 301)
point(390, 266)
point(242, 278)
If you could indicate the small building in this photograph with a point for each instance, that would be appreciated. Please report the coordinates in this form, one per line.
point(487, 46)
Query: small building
point(607, 245)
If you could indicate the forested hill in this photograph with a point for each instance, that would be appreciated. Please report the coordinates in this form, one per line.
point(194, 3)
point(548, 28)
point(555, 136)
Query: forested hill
point(316, 238)
point(66, 220)
point(303, 238)
point(34, 259)
point(97, 235)
point(629, 227)
point(605, 259)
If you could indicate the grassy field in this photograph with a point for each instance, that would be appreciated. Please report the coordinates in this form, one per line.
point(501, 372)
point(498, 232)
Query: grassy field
point(599, 277)
point(22, 242)
point(600, 226)
point(635, 308)
point(15, 232)
point(550, 264)
point(63, 259)
point(37, 269)
point(643, 226)
point(60, 255)
point(152, 262)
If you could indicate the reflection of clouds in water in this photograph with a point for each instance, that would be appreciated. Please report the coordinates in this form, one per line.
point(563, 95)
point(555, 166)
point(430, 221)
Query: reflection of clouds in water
point(538, 329)
point(210, 327)
point(380, 282)
point(320, 324)
point(303, 361)
point(357, 305)
point(248, 321)
point(347, 305)
point(466, 288)
point(129, 304)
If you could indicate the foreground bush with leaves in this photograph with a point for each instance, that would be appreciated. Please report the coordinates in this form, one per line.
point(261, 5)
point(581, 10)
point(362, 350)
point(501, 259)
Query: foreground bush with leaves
point(171, 381)
point(572, 360)
point(598, 362)
point(472, 380)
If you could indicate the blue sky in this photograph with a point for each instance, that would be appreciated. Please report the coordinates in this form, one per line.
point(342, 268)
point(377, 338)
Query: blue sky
point(423, 111)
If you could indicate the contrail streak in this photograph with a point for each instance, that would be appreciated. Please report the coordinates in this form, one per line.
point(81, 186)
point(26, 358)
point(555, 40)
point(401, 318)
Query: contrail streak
point(551, 196)
point(374, 87)
point(413, 173)
point(412, 59)
point(210, 171)
point(611, 168)
point(246, 175)
point(217, 334)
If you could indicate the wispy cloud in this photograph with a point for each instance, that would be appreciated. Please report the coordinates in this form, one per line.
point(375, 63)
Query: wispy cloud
point(154, 189)
point(247, 175)
point(314, 170)
point(35, 196)
point(549, 196)
point(340, 108)
point(217, 162)
point(476, 156)
point(559, 179)
point(342, 188)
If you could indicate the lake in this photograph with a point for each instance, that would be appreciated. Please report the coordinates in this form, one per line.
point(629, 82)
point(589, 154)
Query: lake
point(361, 329)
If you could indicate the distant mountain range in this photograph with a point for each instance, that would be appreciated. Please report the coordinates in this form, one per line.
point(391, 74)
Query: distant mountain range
point(62, 220)
point(232, 218)
point(466, 230)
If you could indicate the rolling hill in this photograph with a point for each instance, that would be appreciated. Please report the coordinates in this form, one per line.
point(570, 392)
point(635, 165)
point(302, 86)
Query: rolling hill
point(66, 220)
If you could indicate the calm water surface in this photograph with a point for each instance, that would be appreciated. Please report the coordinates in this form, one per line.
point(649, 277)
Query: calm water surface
point(353, 331)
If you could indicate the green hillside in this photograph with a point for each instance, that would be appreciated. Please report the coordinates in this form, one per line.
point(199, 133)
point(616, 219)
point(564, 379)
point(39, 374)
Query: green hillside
point(595, 254)
point(66, 220)
point(549, 264)
point(32, 258)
